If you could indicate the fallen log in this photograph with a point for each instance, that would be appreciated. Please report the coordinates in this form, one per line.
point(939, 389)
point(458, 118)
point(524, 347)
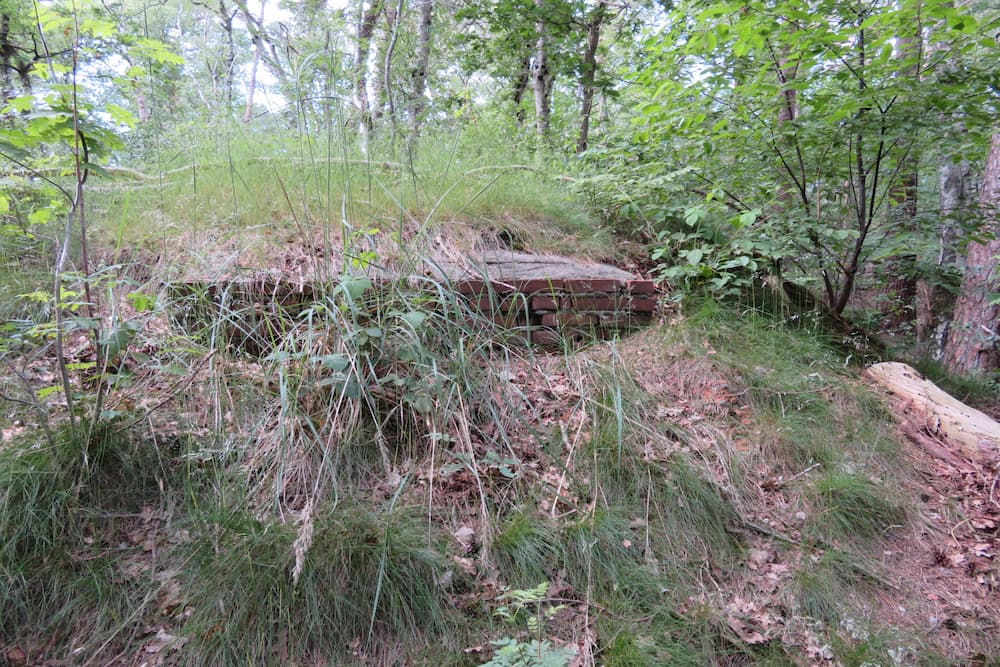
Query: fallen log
point(945, 426)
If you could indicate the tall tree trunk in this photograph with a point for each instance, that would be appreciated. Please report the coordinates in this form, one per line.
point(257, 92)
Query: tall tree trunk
point(386, 30)
point(955, 186)
point(267, 49)
point(366, 27)
point(589, 73)
point(521, 86)
point(541, 75)
point(6, 80)
point(228, 76)
point(418, 75)
point(972, 346)
point(258, 44)
point(900, 296)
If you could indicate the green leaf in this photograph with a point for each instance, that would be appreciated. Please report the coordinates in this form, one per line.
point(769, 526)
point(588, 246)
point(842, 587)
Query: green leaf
point(44, 392)
point(122, 115)
point(355, 286)
point(141, 302)
point(22, 104)
point(694, 256)
point(414, 318)
point(98, 28)
point(157, 50)
point(336, 362)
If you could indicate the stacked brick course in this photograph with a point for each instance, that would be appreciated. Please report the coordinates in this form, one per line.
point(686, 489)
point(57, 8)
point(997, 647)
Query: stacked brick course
point(549, 313)
point(559, 310)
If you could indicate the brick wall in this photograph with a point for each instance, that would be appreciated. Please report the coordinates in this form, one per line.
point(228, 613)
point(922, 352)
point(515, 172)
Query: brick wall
point(552, 312)
point(548, 313)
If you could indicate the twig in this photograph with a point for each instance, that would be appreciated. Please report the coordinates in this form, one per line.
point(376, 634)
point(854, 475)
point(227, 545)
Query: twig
point(174, 390)
point(817, 546)
point(801, 474)
point(35, 403)
point(956, 527)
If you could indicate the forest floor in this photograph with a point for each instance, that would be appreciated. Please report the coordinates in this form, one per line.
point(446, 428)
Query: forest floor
point(719, 488)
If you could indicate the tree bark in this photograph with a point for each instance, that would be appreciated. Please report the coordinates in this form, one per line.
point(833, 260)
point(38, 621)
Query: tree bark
point(379, 92)
point(226, 17)
point(955, 186)
point(900, 296)
point(971, 348)
point(258, 44)
point(366, 28)
point(418, 74)
point(541, 75)
point(934, 418)
point(521, 86)
point(589, 73)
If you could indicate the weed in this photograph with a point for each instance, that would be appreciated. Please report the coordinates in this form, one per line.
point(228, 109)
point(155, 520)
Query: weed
point(368, 576)
point(65, 512)
point(526, 549)
point(851, 507)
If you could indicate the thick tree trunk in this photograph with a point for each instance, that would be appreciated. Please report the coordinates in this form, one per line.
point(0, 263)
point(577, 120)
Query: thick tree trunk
point(418, 74)
point(589, 74)
point(975, 330)
point(541, 75)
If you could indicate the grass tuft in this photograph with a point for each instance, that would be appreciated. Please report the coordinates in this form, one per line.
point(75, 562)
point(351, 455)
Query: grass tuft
point(851, 507)
point(369, 576)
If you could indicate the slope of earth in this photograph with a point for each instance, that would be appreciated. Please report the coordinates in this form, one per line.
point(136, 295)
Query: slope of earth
point(394, 485)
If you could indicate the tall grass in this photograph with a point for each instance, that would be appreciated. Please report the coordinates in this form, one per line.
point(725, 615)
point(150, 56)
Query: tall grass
point(240, 188)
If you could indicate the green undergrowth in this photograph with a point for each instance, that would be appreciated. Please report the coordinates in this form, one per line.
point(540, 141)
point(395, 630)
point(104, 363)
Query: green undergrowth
point(278, 508)
point(234, 187)
point(369, 575)
point(68, 509)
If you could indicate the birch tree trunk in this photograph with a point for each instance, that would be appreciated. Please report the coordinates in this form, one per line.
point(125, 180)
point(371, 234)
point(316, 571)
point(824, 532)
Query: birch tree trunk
point(521, 86)
point(258, 45)
point(418, 74)
point(589, 73)
point(971, 348)
point(366, 28)
point(541, 75)
point(379, 85)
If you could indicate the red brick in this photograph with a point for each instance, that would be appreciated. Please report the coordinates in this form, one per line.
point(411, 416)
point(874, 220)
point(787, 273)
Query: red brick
point(483, 288)
point(640, 286)
point(605, 302)
point(533, 285)
point(584, 285)
point(569, 319)
point(510, 320)
point(643, 305)
point(545, 303)
point(499, 304)
point(472, 287)
point(625, 321)
point(546, 338)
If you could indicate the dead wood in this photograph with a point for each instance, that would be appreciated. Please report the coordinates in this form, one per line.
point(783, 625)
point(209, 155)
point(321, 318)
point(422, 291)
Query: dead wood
point(940, 423)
